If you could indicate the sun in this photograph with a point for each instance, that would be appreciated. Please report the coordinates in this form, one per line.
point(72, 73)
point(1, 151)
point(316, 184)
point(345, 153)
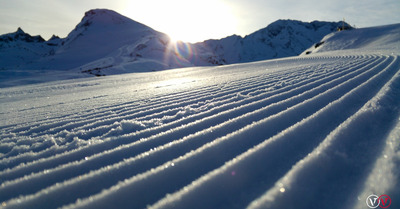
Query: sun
point(182, 20)
point(176, 38)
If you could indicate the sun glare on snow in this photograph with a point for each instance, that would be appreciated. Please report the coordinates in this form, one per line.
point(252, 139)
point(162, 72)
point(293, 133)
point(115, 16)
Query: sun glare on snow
point(189, 21)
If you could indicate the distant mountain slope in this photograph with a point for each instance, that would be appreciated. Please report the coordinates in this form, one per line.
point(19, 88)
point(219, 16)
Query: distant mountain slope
point(282, 38)
point(20, 47)
point(99, 33)
point(103, 39)
point(382, 37)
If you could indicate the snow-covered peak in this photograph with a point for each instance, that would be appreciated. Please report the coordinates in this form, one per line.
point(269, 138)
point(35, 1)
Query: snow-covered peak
point(54, 40)
point(106, 25)
point(20, 31)
point(105, 17)
point(285, 38)
point(54, 37)
point(20, 48)
point(100, 33)
point(281, 38)
point(279, 26)
point(20, 35)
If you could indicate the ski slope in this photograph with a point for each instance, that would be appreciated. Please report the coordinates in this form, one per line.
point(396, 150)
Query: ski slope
point(317, 131)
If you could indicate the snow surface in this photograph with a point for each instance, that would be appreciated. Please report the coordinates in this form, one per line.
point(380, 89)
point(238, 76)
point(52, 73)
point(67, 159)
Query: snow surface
point(315, 131)
point(383, 37)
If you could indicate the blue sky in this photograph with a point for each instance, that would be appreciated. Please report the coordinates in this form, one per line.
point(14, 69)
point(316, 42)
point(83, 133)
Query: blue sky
point(193, 20)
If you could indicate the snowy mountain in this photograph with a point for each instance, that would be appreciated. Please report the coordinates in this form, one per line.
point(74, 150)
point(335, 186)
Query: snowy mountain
point(282, 38)
point(105, 39)
point(308, 132)
point(20, 47)
point(105, 43)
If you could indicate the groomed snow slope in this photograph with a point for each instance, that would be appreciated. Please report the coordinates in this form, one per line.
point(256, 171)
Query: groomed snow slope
point(385, 38)
point(318, 131)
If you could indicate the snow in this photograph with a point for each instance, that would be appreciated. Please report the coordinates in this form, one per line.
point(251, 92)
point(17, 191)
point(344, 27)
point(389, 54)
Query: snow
point(383, 37)
point(315, 131)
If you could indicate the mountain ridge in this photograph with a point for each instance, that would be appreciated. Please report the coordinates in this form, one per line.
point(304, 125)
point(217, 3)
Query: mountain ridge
point(105, 42)
point(278, 35)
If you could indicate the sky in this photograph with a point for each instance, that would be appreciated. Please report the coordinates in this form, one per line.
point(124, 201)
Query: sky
point(193, 20)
